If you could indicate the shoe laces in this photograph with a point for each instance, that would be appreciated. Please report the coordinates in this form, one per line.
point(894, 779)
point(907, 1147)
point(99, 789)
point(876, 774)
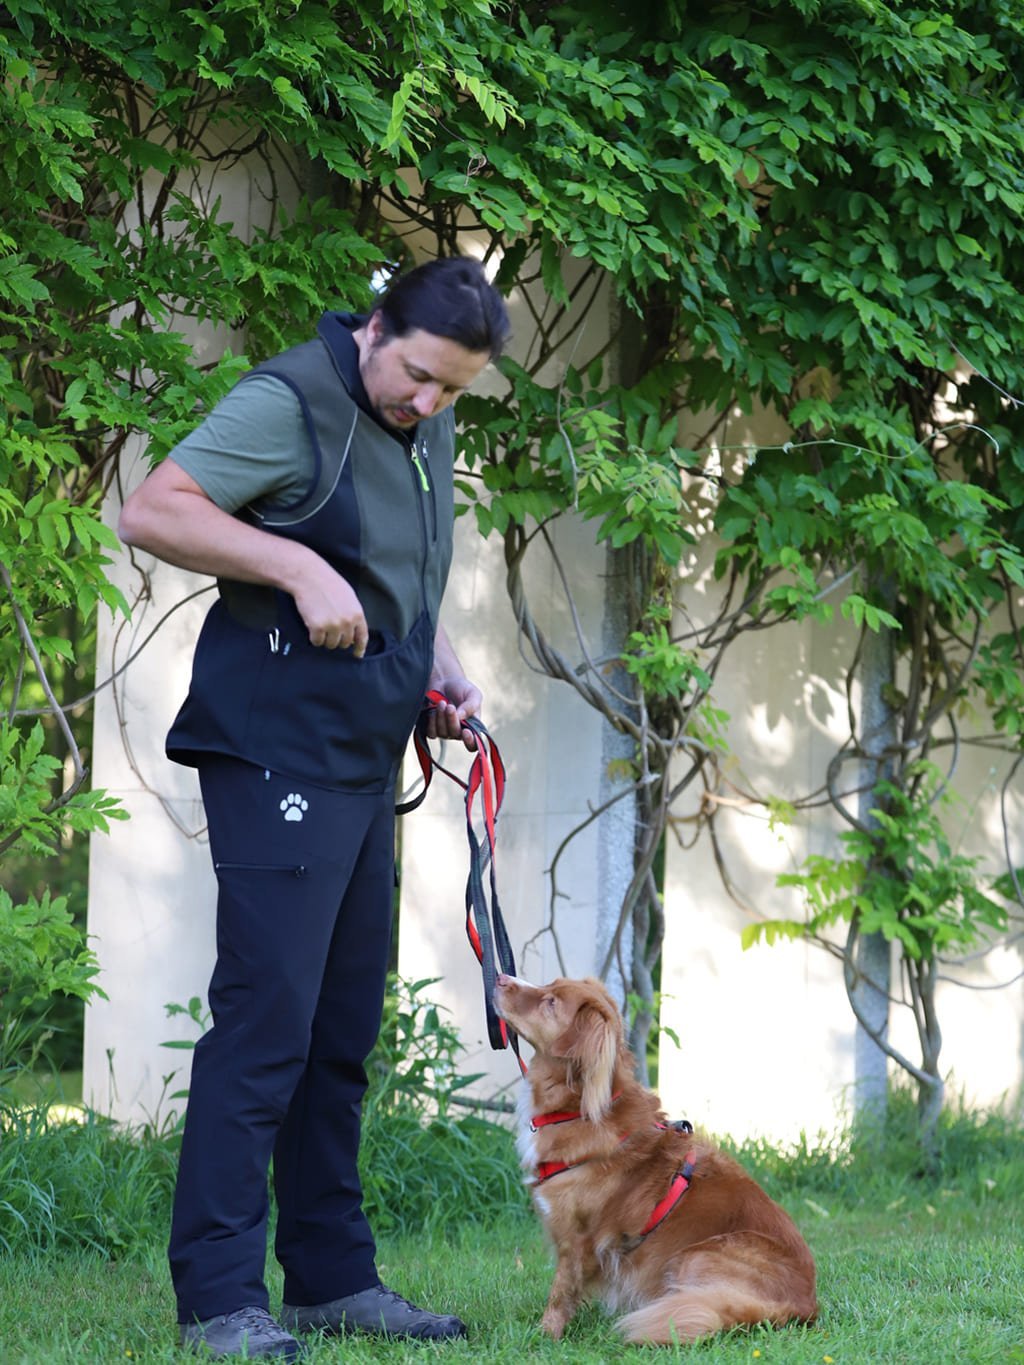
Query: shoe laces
point(253, 1317)
point(398, 1299)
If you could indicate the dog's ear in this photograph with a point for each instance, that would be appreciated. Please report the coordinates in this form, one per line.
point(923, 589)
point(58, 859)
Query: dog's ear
point(591, 1043)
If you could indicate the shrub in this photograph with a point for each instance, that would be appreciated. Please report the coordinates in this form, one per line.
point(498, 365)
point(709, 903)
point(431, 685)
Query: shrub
point(89, 1184)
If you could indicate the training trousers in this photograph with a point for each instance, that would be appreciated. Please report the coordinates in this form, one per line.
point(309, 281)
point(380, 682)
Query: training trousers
point(305, 886)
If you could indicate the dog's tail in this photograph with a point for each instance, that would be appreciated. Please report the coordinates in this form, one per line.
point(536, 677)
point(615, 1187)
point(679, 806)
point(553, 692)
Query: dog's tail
point(688, 1314)
point(726, 1282)
point(678, 1317)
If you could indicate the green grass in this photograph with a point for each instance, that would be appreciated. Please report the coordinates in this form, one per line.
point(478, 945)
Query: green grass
point(896, 1287)
point(45, 1087)
point(915, 1265)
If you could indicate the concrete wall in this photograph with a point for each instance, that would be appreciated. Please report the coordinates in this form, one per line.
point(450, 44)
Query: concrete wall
point(766, 1036)
point(152, 890)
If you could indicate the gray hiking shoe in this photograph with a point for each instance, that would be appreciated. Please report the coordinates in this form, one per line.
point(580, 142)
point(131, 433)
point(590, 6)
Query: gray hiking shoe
point(379, 1311)
point(250, 1333)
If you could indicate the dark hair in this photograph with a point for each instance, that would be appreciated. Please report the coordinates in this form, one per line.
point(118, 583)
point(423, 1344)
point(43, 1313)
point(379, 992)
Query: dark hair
point(450, 297)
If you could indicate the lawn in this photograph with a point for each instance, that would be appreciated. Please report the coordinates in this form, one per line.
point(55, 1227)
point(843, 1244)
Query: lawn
point(927, 1281)
point(913, 1269)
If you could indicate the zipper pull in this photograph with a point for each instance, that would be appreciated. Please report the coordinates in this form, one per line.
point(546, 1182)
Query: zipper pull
point(419, 468)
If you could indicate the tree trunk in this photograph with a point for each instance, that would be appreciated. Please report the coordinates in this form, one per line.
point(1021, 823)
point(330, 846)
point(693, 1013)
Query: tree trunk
point(931, 1090)
point(617, 826)
point(870, 990)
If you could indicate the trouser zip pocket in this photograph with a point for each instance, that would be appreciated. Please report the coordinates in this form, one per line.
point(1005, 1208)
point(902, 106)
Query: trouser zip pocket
point(298, 870)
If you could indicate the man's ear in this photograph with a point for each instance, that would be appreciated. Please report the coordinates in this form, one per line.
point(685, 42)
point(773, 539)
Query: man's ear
point(591, 1043)
point(374, 329)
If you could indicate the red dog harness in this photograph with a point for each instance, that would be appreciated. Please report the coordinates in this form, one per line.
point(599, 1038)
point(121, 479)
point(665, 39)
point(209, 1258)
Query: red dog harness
point(677, 1188)
point(678, 1185)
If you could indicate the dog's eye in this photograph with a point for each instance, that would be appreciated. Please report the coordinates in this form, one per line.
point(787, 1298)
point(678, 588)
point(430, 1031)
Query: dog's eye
point(548, 1002)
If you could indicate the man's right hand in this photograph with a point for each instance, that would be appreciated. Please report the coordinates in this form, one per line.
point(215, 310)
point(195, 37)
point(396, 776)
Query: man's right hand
point(170, 516)
point(330, 609)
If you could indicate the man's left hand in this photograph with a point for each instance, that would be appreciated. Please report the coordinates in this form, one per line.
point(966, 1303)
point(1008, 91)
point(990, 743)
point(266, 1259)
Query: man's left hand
point(448, 722)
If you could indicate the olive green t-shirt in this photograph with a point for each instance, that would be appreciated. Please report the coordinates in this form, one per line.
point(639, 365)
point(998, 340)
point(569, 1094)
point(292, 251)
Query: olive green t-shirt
point(254, 446)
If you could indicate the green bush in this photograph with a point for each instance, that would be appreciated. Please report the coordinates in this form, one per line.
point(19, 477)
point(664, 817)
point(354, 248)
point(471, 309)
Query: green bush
point(72, 1185)
point(977, 1153)
point(100, 1185)
point(423, 1165)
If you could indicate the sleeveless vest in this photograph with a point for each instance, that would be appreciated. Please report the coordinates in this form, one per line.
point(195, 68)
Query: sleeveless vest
point(379, 510)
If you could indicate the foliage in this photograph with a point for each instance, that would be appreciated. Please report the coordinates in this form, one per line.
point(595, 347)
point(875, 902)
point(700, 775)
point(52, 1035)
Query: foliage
point(420, 1160)
point(902, 879)
point(422, 1163)
point(90, 1183)
point(975, 1154)
point(812, 208)
point(42, 952)
point(87, 1184)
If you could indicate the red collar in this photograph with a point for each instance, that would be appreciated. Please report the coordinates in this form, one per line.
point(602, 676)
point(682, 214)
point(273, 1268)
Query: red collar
point(560, 1116)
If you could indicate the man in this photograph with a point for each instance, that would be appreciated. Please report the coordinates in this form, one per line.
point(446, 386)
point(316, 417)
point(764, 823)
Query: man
point(320, 494)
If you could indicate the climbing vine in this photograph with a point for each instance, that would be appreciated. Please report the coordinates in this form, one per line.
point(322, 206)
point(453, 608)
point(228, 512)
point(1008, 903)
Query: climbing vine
point(812, 208)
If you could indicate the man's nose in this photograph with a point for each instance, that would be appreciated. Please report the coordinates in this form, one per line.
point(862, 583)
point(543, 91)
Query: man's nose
point(427, 398)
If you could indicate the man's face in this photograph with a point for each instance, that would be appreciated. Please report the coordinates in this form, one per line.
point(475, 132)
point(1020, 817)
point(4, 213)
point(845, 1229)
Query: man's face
point(416, 376)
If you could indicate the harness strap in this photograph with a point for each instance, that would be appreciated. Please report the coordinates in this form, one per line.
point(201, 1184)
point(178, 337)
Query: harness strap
point(485, 924)
point(546, 1169)
point(679, 1185)
point(542, 1120)
point(568, 1115)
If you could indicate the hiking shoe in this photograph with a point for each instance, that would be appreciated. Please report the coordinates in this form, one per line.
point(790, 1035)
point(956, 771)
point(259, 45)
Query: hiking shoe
point(247, 1332)
point(379, 1311)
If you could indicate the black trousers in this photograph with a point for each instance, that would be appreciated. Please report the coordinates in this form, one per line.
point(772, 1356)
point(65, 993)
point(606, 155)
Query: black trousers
point(306, 879)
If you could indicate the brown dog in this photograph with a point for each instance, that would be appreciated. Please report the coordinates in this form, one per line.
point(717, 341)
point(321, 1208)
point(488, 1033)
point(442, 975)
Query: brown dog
point(644, 1215)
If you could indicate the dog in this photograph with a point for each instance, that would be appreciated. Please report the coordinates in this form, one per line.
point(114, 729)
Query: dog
point(644, 1215)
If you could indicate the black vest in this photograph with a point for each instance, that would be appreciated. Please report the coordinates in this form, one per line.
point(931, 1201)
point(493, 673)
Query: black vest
point(379, 509)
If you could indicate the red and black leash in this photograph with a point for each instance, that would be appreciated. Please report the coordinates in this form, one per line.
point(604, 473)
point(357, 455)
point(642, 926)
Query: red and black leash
point(485, 925)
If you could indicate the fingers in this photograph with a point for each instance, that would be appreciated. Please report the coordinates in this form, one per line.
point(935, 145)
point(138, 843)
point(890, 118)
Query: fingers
point(330, 609)
point(352, 635)
point(449, 722)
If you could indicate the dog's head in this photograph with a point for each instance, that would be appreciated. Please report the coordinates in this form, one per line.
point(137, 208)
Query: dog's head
point(572, 1021)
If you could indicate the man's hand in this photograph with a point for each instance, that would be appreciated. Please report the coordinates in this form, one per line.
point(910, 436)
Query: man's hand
point(464, 697)
point(170, 516)
point(330, 609)
point(464, 700)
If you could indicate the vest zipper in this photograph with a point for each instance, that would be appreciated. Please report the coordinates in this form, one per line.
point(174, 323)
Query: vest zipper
point(428, 486)
point(420, 481)
point(433, 496)
point(419, 468)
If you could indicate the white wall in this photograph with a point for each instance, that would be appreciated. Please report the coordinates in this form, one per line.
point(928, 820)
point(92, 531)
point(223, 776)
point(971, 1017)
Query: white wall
point(766, 1036)
point(150, 881)
point(152, 891)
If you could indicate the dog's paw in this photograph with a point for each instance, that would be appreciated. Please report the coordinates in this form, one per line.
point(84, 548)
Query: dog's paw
point(553, 1325)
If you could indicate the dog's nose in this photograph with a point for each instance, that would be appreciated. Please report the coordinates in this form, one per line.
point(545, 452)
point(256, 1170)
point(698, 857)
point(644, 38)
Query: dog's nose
point(504, 980)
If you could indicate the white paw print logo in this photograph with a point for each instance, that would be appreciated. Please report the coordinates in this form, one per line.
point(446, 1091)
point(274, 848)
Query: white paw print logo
point(294, 805)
